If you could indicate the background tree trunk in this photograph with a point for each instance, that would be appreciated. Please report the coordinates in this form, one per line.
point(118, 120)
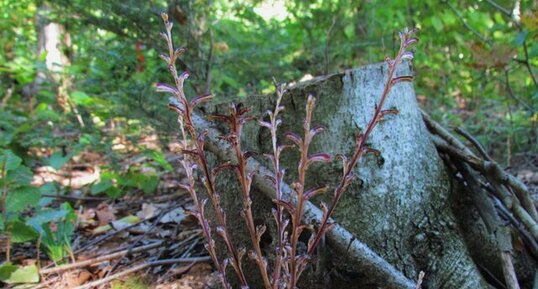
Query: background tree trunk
point(399, 204)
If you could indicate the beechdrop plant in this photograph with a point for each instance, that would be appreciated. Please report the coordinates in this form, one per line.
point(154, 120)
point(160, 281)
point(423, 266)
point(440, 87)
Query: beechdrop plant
point(289, 262)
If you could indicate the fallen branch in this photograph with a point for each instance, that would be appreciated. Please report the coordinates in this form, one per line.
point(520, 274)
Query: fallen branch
point(192, 260)
point(518, 187)
point(503, 183)
point(100, 259)
point(505, 190)
point(492, 221)
point(367, 261)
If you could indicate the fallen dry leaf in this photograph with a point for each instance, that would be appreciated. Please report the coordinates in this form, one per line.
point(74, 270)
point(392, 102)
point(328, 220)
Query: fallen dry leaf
point(148, 211)
point(105, 214)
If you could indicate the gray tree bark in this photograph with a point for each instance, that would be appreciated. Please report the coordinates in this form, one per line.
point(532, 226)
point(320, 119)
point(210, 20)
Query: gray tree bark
point(399, 205)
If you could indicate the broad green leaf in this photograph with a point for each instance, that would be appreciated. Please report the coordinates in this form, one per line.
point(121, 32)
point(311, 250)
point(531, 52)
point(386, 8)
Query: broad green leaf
point(49, 189)
point(114, 192)
point(437, 24)
point(6, 270)
point(146, 183)
point(160, 158)
point(46, 216)
point(6, 137)
point(9, 160)
point(20, 232)
point(21, 176)
point(150, 184)
point(101, 186)
point(26, 274)
point(349, 31)
point(57, 160)
point(81, 98)
point(21, 198)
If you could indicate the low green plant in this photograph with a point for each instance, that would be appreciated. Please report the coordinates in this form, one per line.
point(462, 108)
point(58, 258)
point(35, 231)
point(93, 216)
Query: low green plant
point(17, 196)
point(54, 227)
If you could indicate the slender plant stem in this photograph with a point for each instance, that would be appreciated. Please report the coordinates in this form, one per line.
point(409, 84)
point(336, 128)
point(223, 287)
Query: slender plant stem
point(280, 225)
point(360, 148)
point(185, 120)
point(528, 64)
point(299, 189)
point(187, 128)
point(245, 181)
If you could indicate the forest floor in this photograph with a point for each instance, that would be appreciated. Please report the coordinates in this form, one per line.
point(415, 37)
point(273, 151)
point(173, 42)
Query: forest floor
point(123, 240)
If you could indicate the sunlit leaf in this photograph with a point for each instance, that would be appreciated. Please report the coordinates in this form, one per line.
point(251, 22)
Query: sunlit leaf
point(11, 274)
point(20, 232)
point(9, 160)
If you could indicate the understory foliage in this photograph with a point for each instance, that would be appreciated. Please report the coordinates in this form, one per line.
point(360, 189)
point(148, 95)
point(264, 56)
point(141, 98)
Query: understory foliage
point(290, 262)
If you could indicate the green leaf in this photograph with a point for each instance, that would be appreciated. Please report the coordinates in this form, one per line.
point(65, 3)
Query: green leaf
point(20, 232)
point(113, 192)
point(47, 216)
point(6, 270)
point(101, 186)
point(9, 160)
point(160, 158)
point(57, 243)
point(57, 160)
point(21, 198)
point(6, 137)
point(437, 24)
point(150, 184)
point(26, 274)
point(50, 188)
point(81, 98)
point(146, 183)
point(349, 31)
point(21, 176)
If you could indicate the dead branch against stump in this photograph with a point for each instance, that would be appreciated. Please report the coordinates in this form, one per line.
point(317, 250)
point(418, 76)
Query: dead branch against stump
point(508, 197)
point(369, 262)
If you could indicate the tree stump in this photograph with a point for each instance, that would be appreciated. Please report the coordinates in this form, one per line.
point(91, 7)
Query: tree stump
point(399, 204)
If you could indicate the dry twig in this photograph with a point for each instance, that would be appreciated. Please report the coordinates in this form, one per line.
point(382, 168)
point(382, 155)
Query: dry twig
point(143, 266)
point(101, 258)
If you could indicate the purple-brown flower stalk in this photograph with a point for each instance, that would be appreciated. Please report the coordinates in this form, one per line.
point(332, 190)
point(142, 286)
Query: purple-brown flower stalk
point(406, 40)
point(196, 151)
point(278, 213)
point(289, 262)
point(235, 121)
point(298, 263)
